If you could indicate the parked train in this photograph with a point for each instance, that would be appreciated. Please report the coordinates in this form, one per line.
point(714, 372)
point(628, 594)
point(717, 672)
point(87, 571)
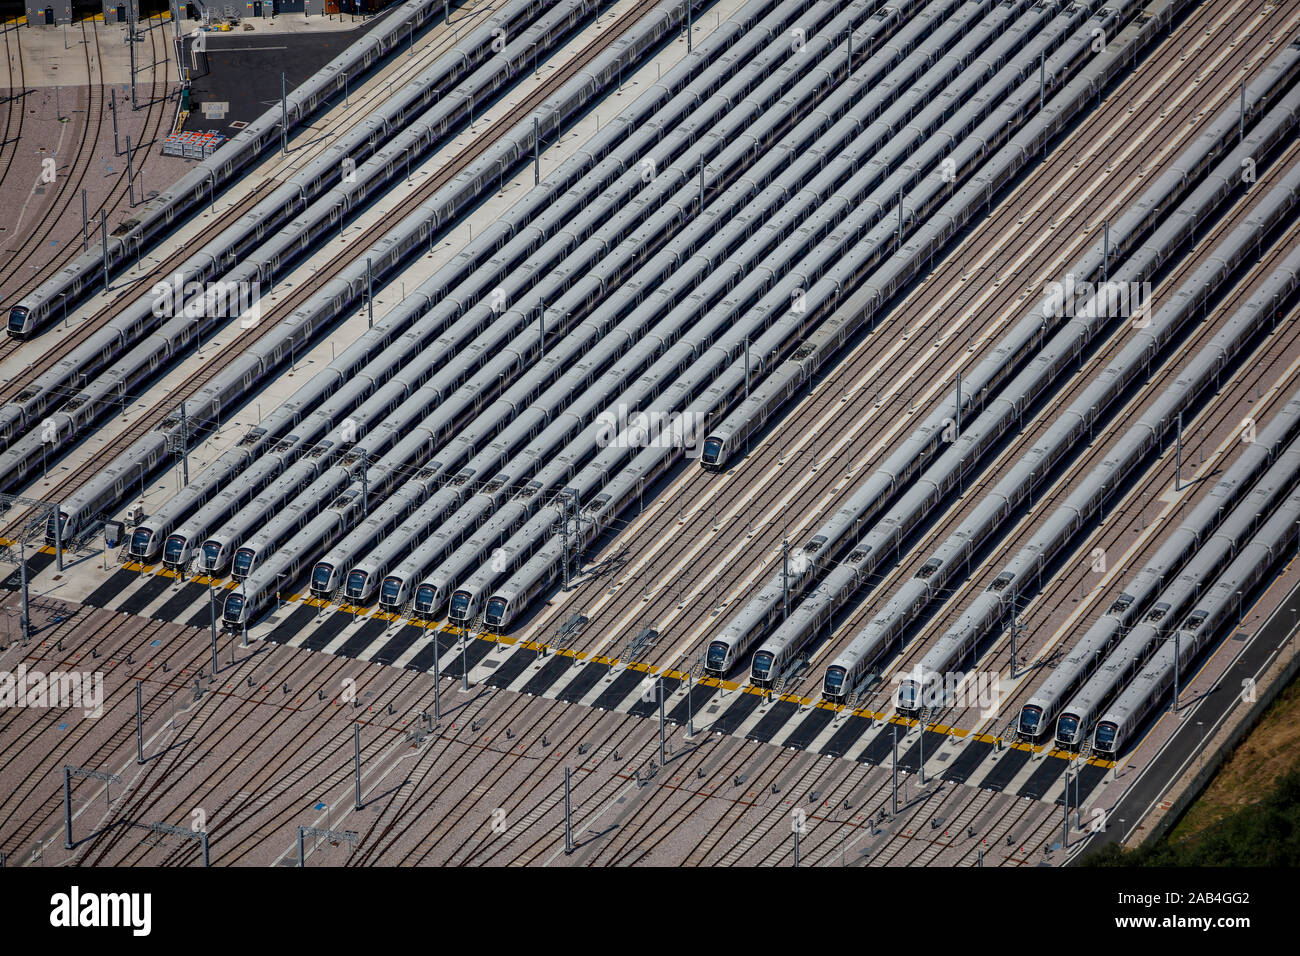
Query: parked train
point(335, 297)
point(1220, 606)
point(1265, 469)
point(1153, 432)
point(53, 299)
point(832, 542)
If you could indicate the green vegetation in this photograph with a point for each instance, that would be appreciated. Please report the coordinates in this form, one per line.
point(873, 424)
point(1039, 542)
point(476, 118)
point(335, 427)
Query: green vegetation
point(1266, 833)
point(1239, 820)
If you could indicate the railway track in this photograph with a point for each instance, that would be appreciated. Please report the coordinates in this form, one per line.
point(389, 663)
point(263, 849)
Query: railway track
point(528, 774)
point(494, 736)
point(213, 741)
point(226, 817)
point(551, 796)
point(14, 102)
point(62, 207)
point(836, 408)
point(1273, 367)
point(68, 186)
point(285, 766)
point(276, 169)
point(1161, 377)
point(34, 738)
point(353, 253)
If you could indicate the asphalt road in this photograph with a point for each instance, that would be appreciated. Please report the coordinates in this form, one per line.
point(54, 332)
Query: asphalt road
point(1156, 777)
point(244, 71)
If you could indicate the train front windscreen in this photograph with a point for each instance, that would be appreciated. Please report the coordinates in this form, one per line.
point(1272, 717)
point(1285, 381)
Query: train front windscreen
point(1067, 727)
point(234, 605)
point(424, 596)
point(1029, 718)
point(174, 548)
point(17, 319)
point(834, 680)
point(320, 576)
point(460, 605)
point(243, 561)
point(907, 695)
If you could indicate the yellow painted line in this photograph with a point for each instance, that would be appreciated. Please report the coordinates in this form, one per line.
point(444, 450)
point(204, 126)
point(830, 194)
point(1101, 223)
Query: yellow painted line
point(637, 666)
point(1063, 754)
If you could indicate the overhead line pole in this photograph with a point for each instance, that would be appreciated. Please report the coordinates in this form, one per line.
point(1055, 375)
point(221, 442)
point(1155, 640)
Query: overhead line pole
point(103, 238)
point(349, 836)
point(24, 620)
point(663, 760)
point(130, 44)
point(356, 752)
point(690, 716)
point(370, 295)
point(437, 676)
point(568, 815)
point(130, 170)
point(139, 722)
point(895, 768)
point(284, 114)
